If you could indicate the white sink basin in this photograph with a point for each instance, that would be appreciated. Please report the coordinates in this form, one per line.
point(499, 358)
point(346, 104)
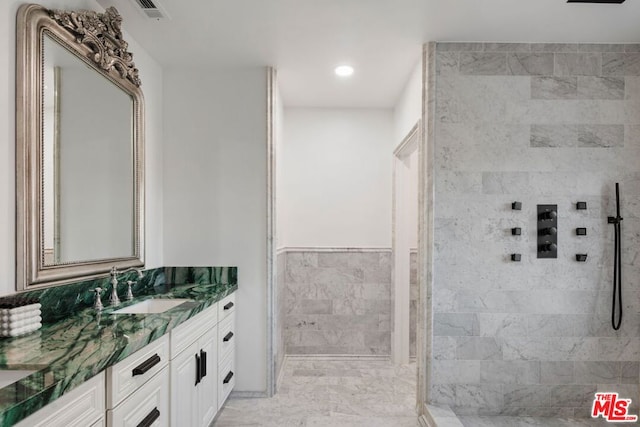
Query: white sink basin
point(10, 376)
point(151, 306)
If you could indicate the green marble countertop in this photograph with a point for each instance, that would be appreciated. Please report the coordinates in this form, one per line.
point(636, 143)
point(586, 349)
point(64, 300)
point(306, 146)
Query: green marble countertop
point(71, 351)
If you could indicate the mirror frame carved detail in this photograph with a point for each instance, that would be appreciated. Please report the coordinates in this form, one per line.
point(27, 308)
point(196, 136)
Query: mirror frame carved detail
point(96, 39)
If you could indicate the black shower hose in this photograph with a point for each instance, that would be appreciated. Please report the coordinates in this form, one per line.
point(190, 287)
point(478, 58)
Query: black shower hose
point(617, 265)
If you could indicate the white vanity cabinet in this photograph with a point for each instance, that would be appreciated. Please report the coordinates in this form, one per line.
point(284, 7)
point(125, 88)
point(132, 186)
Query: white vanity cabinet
point(194, 370)
point(81, 407)
point(138, 387)
point(180, 379)
point(226, 347)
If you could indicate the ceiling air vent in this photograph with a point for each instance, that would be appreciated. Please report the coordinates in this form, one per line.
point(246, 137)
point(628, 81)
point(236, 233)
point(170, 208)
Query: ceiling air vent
point(152, 9)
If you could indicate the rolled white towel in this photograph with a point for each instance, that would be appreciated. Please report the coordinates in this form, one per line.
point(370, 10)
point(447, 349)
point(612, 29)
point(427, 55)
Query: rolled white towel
point(20, 323)
point(19, 316)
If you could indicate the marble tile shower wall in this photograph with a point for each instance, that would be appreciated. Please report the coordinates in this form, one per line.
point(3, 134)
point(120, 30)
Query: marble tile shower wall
point(540, 124)
point(338, 302)
point(280, 315)
point(413, 303)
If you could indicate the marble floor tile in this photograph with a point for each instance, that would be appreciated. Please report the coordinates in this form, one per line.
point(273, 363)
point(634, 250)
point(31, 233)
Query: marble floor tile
point(354, 421)
point(501, 421)
point(342, 392)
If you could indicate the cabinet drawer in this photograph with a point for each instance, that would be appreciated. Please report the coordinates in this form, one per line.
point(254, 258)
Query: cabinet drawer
point(81, 407)
point(226, 379)
point(186, 333)
point(128, 375)
point(148, 406)
point(226, 306)
point(226, 336)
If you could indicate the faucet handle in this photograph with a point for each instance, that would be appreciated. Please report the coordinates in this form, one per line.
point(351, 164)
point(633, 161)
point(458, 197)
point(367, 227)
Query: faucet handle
point(129, 294)
point(97, 303)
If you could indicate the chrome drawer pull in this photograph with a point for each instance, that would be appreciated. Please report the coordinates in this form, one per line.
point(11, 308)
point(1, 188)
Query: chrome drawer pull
point(228, 377)
point(227, 337)
point(150, 418)
point(146, 365)
point(228, 306)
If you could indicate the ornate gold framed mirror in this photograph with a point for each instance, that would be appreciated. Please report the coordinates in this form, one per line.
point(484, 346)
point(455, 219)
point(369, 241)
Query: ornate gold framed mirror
point(79, 147)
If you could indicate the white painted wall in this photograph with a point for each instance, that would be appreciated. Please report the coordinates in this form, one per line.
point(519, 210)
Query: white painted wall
point(336, 177)
point(151, 75)
point(406, 113)
point(408, 108)
point(215, 192)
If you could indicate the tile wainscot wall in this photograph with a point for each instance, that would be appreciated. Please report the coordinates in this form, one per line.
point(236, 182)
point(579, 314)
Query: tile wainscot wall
point(337, 302)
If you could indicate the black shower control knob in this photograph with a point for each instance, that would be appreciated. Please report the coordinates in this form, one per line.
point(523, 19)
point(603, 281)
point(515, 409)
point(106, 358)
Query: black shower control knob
point(551, 231)
point(549, 247)
point(550, 215)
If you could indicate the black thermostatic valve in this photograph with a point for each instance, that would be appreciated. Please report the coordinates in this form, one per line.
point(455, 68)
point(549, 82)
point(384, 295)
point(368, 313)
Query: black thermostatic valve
point(547, 231)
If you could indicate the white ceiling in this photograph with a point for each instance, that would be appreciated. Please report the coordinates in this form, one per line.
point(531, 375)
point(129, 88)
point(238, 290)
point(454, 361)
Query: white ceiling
point(305, 39)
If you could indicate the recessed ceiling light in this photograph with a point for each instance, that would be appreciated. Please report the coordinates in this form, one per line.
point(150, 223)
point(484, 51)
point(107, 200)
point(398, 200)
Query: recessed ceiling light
point(344, 70)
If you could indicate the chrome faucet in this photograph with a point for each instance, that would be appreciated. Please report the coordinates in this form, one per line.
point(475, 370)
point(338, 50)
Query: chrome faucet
point(113, 298)
point(97, 303)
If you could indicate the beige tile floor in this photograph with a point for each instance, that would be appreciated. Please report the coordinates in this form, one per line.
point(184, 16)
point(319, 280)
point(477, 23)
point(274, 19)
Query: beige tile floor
point(332, 392)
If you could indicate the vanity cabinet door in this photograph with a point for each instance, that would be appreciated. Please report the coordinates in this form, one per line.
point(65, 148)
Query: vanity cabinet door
point(208, 387)
point(184, 402)
point(194, 383)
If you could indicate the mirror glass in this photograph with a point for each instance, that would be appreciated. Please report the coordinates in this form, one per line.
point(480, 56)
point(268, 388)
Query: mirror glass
point(79, 147)
point(87, 161)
